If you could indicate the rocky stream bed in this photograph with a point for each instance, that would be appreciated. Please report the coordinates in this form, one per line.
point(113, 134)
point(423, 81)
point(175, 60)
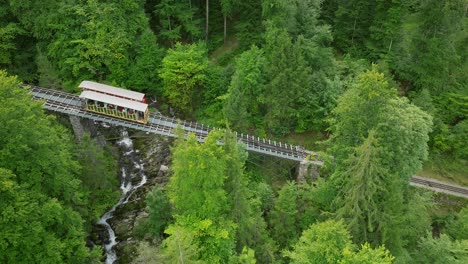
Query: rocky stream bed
point(144, 163)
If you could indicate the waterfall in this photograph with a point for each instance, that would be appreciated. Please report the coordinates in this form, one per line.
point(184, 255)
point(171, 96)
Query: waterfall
point(128, 174)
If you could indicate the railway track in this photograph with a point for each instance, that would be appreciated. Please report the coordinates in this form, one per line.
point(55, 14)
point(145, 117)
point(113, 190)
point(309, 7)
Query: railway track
point(72, 105)
point(438, 186)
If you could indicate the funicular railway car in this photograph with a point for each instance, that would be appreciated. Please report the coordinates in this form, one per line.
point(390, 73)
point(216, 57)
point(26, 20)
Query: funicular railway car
point(113, 101)
point(113, 91)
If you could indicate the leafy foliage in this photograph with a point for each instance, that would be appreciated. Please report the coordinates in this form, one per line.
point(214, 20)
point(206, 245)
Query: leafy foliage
point(36, 228)
point(34, 147)
point(98, 176)
point(458, 228)
point(329, 242)
point(281, 69)
point(246, 83)
point(441, 250)
point(177, 20)
point(199, 200)
point(183, 73)
point(160, 213)
point(39, 182)
point(382, 141)
point(283, 216)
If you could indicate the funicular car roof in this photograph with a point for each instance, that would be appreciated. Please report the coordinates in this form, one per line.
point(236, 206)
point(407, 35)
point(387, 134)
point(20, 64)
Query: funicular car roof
point(103, 88)
point(114, 100)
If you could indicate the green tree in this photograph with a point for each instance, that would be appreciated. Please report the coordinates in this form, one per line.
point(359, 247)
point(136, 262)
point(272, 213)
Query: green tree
point(323, 87)
point(148, 254)
point(227, 7)
point(42, 19)
point(379, 141)
point(159, 210)
point(329, 242)
point(203, 172)
point(285, 67)
point(385, 28)
point(17, 46)
point(183, 73)
point(283, 223)
point(417, 215)
point(8, 34)
point(199, 199)
point(280, 13)
point(352, 20)
point(441, 250)
point(180, 246)
point(365, 187)
point(143, 71)
point(402, 128)
point(241, 107)
point(249, 28)
point(34, 147)
point(368, 255)
point(236, 188)
point(95, 40)
point(98, 178)
point(432, 57)
point(458, 227)
point(38, 229)
point(177, 21)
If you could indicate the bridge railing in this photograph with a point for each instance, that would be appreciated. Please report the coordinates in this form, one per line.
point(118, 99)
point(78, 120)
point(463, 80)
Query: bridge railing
point(71, 104)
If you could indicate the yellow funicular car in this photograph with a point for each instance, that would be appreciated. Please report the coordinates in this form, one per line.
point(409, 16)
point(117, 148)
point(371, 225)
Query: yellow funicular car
point(113, 101)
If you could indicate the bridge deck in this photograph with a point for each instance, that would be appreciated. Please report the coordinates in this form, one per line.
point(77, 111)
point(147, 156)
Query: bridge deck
point(72, 105)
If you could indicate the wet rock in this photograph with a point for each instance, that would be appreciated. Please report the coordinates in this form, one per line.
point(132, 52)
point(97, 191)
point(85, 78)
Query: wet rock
point(127, 250)
point(164, 168)
point(156, 159)
point(159, 180)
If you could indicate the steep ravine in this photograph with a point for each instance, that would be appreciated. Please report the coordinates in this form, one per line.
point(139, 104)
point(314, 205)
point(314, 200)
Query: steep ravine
point(140, 170)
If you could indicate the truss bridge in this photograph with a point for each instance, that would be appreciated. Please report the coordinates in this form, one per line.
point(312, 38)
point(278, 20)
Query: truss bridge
point(71, 104)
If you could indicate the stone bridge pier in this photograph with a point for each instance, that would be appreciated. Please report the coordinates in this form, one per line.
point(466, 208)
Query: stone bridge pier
point(308, 170)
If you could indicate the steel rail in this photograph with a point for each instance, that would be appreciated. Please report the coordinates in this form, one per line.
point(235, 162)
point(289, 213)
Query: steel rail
point(72, 105)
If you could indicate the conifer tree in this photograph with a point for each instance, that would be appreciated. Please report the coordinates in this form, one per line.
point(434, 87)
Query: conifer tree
point(177, 21)
point(366, 189)
point(286, 91)
point(283, 216)
point(379, 141)
point(242, 109)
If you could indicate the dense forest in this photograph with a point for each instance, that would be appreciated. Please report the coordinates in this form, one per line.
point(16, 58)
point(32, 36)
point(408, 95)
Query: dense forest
point(380, 87)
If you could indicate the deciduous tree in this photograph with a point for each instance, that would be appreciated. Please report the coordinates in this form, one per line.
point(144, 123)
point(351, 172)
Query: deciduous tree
point(177, 21)
point(183, 73)
point(160, 211)
point(199, 199)
point(35, 148)
point(329, 242)
point(38, 229)
point(98, 178)
point(441, 250)
point(379, 141)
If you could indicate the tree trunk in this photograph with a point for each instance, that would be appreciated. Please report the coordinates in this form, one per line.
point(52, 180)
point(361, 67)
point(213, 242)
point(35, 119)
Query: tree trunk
point(170, 29)
point(207, 19)
point(390, 46)
point(225, 30)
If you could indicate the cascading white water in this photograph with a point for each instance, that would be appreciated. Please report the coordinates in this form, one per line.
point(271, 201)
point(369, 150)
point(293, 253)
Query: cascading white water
point(127, 190)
